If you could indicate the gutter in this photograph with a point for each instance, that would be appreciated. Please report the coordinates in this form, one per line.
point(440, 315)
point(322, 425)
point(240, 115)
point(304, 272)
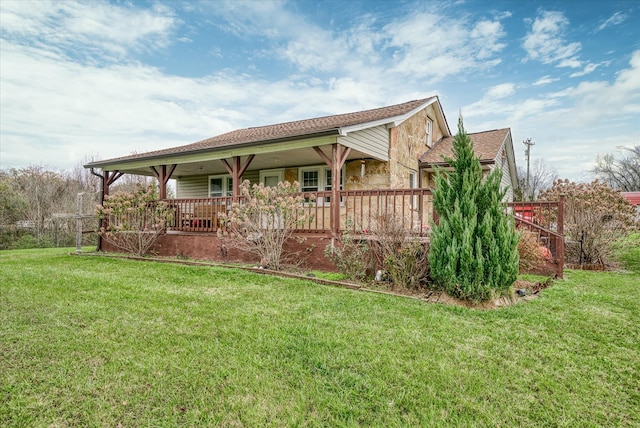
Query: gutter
point(446, 164)
point(101, 164)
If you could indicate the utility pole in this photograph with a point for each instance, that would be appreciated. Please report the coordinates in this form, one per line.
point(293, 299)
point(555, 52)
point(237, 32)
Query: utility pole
point(527, 153)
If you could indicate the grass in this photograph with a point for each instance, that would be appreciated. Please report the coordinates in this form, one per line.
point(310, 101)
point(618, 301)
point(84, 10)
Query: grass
point(626, 251)
point(331, 276)
point(91, 341)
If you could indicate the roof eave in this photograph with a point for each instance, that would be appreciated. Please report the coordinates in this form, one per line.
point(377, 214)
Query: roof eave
point(447, 164)
point(102, 164)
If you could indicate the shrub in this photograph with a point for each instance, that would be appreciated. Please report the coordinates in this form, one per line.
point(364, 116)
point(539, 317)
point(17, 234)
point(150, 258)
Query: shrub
point(409, 265)
point(473, 253)
point(265, 219)
point(388, 237)
point(352, 256)
point(404, 258)
point(134, 221)
point(595, 216)
point(532, 254)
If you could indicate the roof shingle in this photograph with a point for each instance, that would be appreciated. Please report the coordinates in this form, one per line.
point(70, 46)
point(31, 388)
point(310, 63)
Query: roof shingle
point(282, 131)
point(485, 145)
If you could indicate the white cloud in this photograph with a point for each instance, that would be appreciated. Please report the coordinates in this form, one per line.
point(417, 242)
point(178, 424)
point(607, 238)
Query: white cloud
point(570, 126)
point(423, 44)
point(545, 80)
point(62, 105)
point(114, 110)
point(435, 46)
point(545, 41)
point(86, 28)
point(589, 68)
point(487, 35)
point(615, 19)
point(501, 91)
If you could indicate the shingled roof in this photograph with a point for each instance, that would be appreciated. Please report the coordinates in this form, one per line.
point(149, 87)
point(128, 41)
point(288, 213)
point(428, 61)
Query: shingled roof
point(485, 145)
point(319, 126)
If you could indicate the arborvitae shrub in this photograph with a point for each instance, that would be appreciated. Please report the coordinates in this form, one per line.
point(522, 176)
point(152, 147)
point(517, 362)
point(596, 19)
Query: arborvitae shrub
point(473, 253)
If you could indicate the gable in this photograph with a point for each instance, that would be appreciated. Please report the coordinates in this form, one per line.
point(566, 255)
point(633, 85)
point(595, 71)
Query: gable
point(374, 141)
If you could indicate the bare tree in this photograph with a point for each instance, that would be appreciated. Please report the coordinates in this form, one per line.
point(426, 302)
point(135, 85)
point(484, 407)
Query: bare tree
point(12, 202)
point(541, 177)
point(623, 173)
point(32, 197)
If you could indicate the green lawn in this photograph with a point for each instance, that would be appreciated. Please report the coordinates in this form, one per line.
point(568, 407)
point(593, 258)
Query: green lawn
point(92, 341)
point(626, 252)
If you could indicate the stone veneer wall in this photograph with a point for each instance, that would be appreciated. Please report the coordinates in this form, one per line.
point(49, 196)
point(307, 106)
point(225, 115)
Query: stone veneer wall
point(407, 144)
point(376, 175)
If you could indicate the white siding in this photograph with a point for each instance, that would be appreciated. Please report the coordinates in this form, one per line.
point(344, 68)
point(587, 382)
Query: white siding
point(373, 141)
point(252, 176)
point(198, 186)
point(503, 164)
point(506, 182)
point(192, 187)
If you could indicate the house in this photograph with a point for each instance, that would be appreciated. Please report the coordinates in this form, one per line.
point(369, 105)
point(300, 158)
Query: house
point(375, 162)
point(494, 148)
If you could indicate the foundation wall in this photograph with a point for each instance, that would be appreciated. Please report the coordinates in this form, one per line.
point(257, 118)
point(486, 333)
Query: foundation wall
point(307, 254)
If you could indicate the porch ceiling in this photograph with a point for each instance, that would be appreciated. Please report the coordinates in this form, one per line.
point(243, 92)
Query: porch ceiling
point(282, 159)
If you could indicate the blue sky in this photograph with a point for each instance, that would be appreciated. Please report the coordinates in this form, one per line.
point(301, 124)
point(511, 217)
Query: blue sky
point(105, 79)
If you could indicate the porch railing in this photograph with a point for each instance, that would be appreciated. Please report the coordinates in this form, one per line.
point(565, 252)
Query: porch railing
point(360, 211)
point(546, 220)
point(199, 214)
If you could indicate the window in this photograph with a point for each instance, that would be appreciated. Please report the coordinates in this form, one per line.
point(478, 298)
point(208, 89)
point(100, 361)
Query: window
point(271, 177)
point(315, 179)
point(310, 181)
point(429, 127)
point(413, 182)
point(220, 185)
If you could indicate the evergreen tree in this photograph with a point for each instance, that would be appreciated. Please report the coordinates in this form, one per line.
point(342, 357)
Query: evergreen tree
point(474, 247)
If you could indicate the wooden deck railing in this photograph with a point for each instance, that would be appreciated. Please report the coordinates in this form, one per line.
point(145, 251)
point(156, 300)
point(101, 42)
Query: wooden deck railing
point(363, 210)
point(360, 211)
point(546, 219)
point(198, 215)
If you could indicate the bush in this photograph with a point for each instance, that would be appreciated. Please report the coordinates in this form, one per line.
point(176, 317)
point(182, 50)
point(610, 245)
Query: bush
point(391, 248)
point(265, 219)
point(352, 257)
point(401, 256)
point(595, 216)
point(133, 221)
point(473, 254)
point(409, 265)
point(532, 254)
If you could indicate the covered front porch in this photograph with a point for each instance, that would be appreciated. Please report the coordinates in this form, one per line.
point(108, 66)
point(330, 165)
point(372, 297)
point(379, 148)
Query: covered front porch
point(365, 186)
